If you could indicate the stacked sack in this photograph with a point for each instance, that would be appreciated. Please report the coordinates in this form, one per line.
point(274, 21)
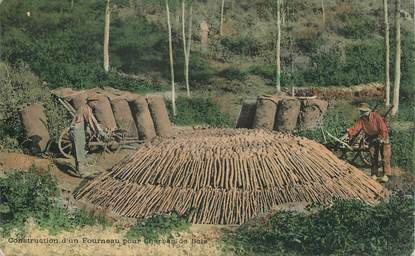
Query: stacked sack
point(281, 113)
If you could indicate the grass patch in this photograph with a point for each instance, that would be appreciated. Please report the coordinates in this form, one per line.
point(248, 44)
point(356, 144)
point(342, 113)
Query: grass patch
point(34, 195)
point(198, 111)
point(349, 227)
point(156, 226)
point(20, 87)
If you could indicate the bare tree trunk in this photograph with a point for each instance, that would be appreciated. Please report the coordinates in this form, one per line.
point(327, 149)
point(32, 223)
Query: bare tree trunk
point(221, 18)
point(184, 45)
point(323, 13)
point(189, 45)
point(173, 91)
point(107, 37)
point(387, 52)
point(396, 85)
point(72, 4)
point(278, 57)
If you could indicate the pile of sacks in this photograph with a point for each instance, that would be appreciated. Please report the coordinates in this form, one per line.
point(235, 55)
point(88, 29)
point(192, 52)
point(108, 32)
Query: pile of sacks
point(142, 117)
point(281, 113)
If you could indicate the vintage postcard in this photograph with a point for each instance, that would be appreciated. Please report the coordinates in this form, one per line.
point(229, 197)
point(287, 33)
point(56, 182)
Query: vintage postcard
point(209, 127)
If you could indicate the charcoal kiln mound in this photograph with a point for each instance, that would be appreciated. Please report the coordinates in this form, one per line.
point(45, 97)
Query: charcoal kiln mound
point(226, 176)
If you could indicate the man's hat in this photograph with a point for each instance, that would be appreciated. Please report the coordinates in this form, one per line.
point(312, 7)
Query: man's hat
point(364, 107)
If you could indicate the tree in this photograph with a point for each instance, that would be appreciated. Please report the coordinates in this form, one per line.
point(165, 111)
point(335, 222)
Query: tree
point(278, 48)
point(387, 52)
point(187, 46)
point(221, 18)
point(107, 36)
point(173, 90)
point(396, 85)
point(323, 13)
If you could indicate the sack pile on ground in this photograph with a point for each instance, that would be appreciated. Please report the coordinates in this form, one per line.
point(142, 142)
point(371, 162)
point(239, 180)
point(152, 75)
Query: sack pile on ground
point(35, 126)
point(139, 116)
point(226, 176)
point(281, 113)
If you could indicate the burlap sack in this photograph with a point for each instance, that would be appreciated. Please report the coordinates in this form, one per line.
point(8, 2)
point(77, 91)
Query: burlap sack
point(312, 111)
point(63, 92)
point(78, 100)
point(287, 114)
point(247, 115)
point(265, 113)
point(123, 116)
point(35, 126)
point(102, 110)
point(142, 118)
point(160, 116)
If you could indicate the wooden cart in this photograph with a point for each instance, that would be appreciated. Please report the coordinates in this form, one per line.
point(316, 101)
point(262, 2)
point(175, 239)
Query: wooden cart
point(102, 141)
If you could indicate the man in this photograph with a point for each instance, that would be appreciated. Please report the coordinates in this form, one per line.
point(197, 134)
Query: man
point(83, 121)
point(375, 128)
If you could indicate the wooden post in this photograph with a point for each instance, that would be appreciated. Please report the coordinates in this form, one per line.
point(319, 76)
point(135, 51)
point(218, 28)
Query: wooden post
point(204, 35)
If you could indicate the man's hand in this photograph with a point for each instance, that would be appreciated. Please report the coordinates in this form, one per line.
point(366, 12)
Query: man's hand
point(345, 138)
point(381, 141)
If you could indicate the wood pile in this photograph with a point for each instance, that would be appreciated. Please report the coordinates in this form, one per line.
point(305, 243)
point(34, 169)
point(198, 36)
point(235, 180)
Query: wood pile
point(361, 92)
point(226, 176)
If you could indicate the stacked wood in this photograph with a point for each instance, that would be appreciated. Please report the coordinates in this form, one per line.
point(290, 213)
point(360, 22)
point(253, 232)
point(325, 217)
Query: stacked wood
point(160, 116)
point(370, 91)
point(247, 114)
point(35, 126)
point(142, 118)
point(226, 176)
point(102, 110)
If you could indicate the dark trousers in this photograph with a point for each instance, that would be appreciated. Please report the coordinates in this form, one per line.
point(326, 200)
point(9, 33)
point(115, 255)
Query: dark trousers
point(382, 151)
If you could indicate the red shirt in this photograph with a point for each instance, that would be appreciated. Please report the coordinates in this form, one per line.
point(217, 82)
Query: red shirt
point(372, 125)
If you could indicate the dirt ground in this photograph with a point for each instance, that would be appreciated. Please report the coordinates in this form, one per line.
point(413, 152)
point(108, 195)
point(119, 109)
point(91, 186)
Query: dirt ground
point(110, 242)
point(199, 240)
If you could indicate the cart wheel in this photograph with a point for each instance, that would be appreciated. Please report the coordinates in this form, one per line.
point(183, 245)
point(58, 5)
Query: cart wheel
point(66, 146)
point(364, 154)
point(113, 148)
point(365, 157)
